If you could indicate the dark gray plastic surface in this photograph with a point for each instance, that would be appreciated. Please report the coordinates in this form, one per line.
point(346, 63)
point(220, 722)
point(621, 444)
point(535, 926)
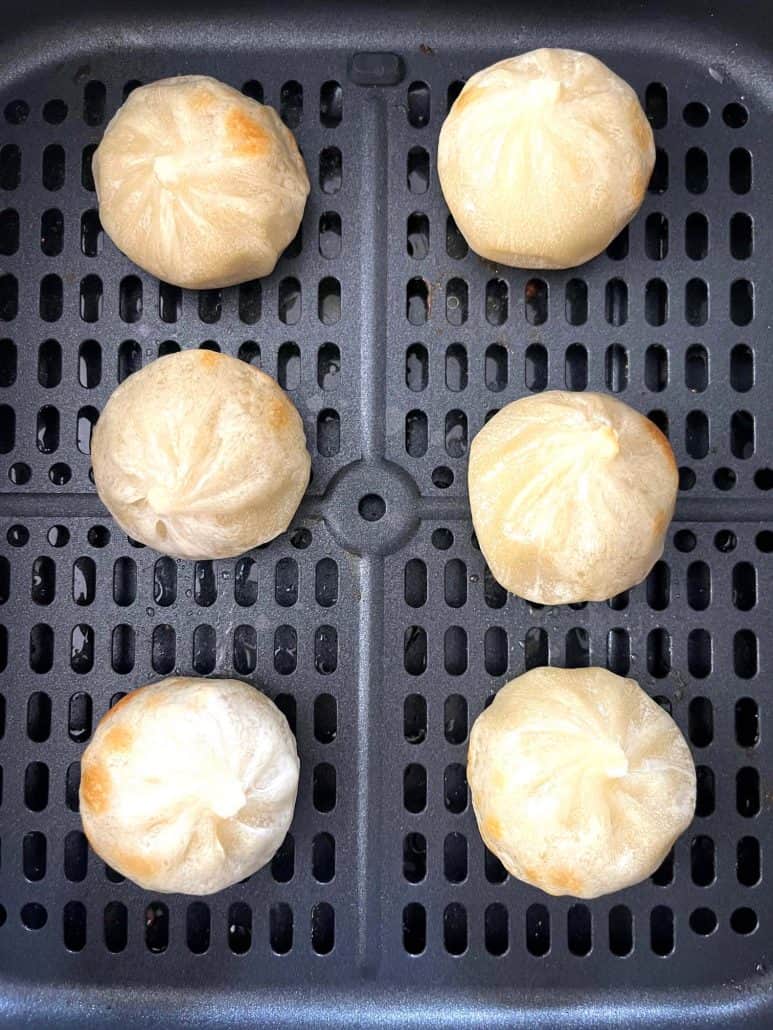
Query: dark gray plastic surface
point(387, 636)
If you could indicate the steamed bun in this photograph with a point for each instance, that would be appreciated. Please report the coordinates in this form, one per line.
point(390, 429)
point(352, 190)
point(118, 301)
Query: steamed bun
point(198, 184)
point(544, 158)
point(571, 496)
point(580, 782)
point(200, 455)
point(189, 785)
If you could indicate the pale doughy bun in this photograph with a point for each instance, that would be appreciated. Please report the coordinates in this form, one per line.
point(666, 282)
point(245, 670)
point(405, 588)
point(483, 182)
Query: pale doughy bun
point(571, 496)
point(544, 158)
point(189, 785)
point(198, 184)
point(580, 782)
point(200, 456)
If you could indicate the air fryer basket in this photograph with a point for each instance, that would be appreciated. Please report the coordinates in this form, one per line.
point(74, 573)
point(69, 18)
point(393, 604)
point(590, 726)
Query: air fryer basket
point(374, 622)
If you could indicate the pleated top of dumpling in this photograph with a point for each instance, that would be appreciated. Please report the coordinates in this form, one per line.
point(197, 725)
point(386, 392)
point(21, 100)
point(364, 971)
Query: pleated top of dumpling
point(199, 184)
point(544, 158)
point(580, 782)
point(189, 785)
point(200, 455)
point(571, 496)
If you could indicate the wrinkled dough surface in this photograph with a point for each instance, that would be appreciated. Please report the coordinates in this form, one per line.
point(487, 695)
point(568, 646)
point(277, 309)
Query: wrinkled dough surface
point(571, 496)
point(199, 184)
point(189, 785)
point(544, 158)
point(200, 455)
point(580, 782)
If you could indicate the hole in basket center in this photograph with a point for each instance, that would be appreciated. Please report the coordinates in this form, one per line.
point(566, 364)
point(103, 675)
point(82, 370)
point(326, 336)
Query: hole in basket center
point(372, 507)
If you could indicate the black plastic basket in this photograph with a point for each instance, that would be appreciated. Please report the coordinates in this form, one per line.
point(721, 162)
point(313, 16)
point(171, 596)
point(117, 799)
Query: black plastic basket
point(374, 622)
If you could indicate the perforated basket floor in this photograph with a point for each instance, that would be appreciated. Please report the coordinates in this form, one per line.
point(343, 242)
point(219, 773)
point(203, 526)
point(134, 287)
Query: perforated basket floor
point(374, 622)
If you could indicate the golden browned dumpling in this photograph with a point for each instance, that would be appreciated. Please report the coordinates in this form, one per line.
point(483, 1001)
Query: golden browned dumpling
point(544, 158)
point(571, 496)
point(200, 456)
point(189, 785)
point(198, 184)
point(580, 782)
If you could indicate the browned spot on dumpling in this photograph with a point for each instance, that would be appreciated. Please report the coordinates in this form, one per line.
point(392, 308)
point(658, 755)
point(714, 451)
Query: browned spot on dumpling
point(561, 880)
point(658, 438)
point(134, 864)
point(202, 100)
point(643, 140)
point(117, 739)
point(96, 786)
point(278, 414)
point(466, 97)
point(110, 714)
point(641, 129)
point(556, 879)
point(246, 135)
point(492, 827)
point(208, 358)
point(659, 523)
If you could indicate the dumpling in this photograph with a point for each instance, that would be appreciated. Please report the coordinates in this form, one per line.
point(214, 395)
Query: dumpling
point(199, 184)
point(200, 455)
point(544, 158)
point(580, 782)
point(571, 496)
point(189, 785)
